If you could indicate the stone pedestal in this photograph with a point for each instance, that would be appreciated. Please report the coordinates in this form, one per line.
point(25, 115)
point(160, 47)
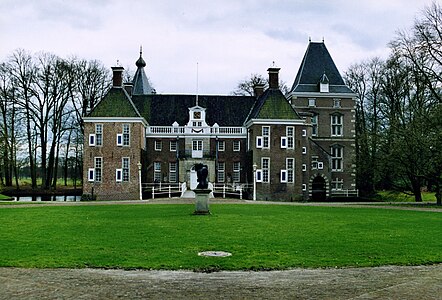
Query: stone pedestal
point(202, 201)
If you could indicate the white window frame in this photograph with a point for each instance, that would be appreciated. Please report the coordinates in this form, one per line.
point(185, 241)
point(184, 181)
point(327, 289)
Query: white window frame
point(337, 125)
point(304, 187)
point(119, 139)
point(221, 146)
point(265, 169)
point(337, 156)
point(304, 167)
point(125, 176)
point(283, 176)
point(119, 175)
point(221, 172)
point(126, 135)
point(312, 102)
point(290, 134)
point(158, 145)
point(173, 166)
point(258, 175)
point(337, 184)
point(304, 132)
point(98, 134)
point(336, 103)
point(173, 146)
point(290, 167)
point(314, 122)
point(304, 150)
point(91, 175)
point(259, 142)
point(236, 146)
point(236, 171)
point(265, 137)
point(98, 176)
point(320, 165)
point(157, 173)
point(283, 142)
point(92, 139)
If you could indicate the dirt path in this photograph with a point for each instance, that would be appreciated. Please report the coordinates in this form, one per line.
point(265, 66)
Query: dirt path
point(390, 282)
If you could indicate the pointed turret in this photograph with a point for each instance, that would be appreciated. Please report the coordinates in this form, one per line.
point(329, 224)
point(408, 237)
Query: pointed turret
point(318, 67)
point(141, 85)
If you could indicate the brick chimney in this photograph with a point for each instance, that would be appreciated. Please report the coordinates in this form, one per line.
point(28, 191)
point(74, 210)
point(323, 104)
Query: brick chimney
point(117, 77)
point(258, 89)
point(273, 77)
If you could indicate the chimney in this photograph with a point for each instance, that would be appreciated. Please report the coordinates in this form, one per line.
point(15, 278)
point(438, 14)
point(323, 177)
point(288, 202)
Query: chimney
point(273, 77)
point(258, 89)
point(117, 77)
point(128, 86)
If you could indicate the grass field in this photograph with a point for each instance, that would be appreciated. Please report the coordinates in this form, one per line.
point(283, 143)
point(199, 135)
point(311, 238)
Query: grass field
point(260, 237)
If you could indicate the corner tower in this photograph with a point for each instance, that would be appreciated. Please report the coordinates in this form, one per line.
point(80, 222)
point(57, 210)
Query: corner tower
point(320, 94)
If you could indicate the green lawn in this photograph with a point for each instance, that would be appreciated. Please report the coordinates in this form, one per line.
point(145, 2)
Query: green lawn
point(258, 236)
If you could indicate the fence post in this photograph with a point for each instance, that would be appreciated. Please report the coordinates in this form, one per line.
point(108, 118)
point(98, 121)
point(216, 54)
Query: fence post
point(169, 190)
point(224, 191)
point(240, 192)
point(153, 192)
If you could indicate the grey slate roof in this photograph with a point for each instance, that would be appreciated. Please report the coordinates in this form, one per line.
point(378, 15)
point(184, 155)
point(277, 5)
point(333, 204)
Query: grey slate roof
point(163, 110)
point(316, 63)
point(141, 85)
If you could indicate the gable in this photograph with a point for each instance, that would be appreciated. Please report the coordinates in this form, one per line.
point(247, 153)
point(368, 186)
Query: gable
point(116, 103)
point(273, 105)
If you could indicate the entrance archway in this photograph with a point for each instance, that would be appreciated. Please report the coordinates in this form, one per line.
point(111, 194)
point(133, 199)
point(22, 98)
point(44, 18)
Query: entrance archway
point(319, 191)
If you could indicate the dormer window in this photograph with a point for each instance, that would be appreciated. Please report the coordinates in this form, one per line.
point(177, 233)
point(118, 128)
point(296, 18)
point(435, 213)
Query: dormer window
point(197, 115)
point(324, 84)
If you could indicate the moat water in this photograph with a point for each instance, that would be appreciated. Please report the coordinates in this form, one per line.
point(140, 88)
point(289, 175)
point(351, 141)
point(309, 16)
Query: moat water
point(49, 198)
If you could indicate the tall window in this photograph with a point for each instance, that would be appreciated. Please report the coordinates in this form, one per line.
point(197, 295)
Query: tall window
point(236, 171)
point(98, 134)
point(172, 172)
point(290, 133)
point(98, 168)
point(157, 171)
point(315, 125)
point(221, 171)
point(290, 166)
point(125, 168)
point(126, 135)
point(337, 156)
point(265, 166)
point(236, 145)
point(266, 137)
point(221, 145)
point(336, 125)
point(312, 102)
point(336, 103)
point(173, 146)
point(158, 145)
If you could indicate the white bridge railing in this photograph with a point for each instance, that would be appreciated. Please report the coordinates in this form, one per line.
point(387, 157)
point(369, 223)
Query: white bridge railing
point(229, 190)
point(345, 193)
point(163, 190)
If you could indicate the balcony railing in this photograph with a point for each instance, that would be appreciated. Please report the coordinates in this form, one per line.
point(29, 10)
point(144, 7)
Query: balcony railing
point(180, 130)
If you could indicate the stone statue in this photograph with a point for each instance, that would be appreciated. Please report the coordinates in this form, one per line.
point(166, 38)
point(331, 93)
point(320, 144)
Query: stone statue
point(201, 173)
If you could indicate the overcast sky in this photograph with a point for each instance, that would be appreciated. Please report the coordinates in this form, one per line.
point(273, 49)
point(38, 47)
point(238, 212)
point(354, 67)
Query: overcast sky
point(228, 39)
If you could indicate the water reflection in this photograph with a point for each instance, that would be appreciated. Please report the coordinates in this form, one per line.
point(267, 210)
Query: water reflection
point(48, 198)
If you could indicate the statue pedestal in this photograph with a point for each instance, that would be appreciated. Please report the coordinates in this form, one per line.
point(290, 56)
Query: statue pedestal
point(202, 201)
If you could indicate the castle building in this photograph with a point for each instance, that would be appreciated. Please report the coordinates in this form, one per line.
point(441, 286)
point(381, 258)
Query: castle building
point(269, 146)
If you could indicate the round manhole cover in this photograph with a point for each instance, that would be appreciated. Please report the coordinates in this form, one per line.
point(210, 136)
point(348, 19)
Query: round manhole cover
point(215, 253)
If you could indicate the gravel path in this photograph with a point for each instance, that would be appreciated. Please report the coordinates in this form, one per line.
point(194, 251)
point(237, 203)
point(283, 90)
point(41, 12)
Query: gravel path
point(389, 282)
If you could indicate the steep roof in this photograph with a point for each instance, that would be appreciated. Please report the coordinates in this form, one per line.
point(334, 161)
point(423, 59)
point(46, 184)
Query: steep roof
point(163, 110)
point(141, 85)
point(316, 63)
point(116, 103)
point(273, 105)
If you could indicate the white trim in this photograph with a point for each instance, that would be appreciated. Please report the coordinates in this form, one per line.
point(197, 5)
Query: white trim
point(283, 176)
point(91, 171)
point(119, 139)
point(259, 141)
point(275, 122)
point(304, 150)
point(304, 167)
point(92, 139)
point(304, 132)
point(283, 142)
point(114, 120)
point(258, 175)
point(304, 187)
point(320, 165)
point(119, 175)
